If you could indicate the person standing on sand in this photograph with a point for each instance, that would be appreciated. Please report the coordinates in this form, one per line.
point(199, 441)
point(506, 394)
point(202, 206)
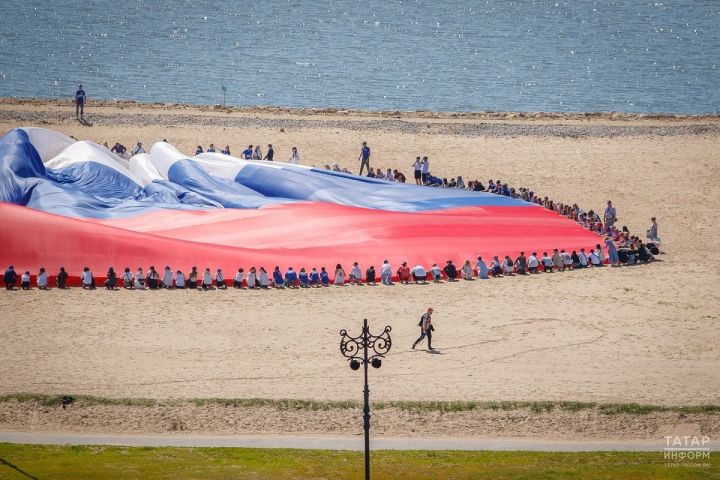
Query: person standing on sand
point(426, 329)
point(79, 102)
point(364, 157)
point(424, 170)
point(610, 216)
point(270, 153)
point(294, 156)
point(417, 171)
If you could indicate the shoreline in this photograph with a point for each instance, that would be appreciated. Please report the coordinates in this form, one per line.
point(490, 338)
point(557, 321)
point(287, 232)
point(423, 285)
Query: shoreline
point(325, 111)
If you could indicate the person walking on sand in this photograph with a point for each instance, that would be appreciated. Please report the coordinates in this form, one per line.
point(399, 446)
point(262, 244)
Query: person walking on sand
point(426, 329)
point(364, 157)
point(79, 102)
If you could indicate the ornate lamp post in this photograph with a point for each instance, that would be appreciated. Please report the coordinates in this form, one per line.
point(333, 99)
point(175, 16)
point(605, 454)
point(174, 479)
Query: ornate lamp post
point(365, 349)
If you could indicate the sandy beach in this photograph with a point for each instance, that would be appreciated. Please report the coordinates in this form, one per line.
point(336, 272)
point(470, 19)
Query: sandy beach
point(646, 334)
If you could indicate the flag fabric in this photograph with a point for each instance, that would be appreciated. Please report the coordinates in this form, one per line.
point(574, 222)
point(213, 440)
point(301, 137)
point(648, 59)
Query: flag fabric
point(74, 204)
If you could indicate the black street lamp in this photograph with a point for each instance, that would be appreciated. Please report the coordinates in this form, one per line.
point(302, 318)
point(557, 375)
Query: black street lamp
point(378, 346)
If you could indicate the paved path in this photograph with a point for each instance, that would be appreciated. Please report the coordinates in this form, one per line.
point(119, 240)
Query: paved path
point(332, 442)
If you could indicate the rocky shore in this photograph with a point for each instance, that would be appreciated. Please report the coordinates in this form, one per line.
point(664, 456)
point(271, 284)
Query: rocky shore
point(481, 124)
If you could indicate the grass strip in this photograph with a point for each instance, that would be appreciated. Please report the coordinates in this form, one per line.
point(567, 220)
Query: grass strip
point(411, 406)
point(50, 462)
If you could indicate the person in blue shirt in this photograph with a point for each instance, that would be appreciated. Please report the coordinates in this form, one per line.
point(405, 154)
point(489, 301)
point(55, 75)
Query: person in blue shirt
point(303, 278)
point(315, 278)
point(11, 277)
point(247, 153)
point(364, 157)
point(278, 279)
point(324, 277)
point(79, 101)
point(198, 150)
point(226, 150)
point(211, 148)
point(291, 278)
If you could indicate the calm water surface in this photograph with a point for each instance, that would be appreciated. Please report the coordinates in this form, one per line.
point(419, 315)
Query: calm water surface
point(627, 56)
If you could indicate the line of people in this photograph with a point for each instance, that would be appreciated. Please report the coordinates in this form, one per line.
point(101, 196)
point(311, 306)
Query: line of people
point(259, 278)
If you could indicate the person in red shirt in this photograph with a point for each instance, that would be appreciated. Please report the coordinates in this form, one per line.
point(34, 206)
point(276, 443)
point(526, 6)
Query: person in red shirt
point(404, 273)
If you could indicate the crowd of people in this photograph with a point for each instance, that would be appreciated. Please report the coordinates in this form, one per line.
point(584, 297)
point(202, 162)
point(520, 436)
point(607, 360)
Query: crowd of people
point(589, 219)
point(630, 251)
point(621, 246)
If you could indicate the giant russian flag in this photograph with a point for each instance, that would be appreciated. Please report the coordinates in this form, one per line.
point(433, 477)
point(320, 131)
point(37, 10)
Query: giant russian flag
point(74, 204)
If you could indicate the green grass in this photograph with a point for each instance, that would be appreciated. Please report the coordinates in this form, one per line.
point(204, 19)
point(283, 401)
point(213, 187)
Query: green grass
point(89, 462)
point(411, 406)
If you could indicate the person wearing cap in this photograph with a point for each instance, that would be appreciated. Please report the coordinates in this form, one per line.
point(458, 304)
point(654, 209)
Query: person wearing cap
point(403, 273)
point(426, 329)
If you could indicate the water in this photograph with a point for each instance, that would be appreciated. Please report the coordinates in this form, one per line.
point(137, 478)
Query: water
point(451, 55)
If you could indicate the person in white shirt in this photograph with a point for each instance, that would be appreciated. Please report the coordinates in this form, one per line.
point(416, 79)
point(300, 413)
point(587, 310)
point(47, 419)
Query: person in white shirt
point(355, 274)
point(386, 273)
point(533, 263)
point(220, 279)
point(600, 254)
point(139, 279)
point(179, 279)
point(547, 262)
point(652, 233)
point(418, 273)
point(88, 280)
point(167, 280)
point(263, 278)
point(582, 256)
point(595, 259)
point(238, 281)
point(424, 170)
point(127, 278)
point(252, 280)
point(436, 273)
point(42, 279)
point(339, 275)
point(467, 271)
point(25, 281)
point(207, 280)
point(566, 260)
point(389, 175)
point(137, 149)
point(294, 156)
point(417, 171)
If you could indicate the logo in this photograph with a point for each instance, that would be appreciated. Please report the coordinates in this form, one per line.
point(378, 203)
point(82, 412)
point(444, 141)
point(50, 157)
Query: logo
point(686, 451)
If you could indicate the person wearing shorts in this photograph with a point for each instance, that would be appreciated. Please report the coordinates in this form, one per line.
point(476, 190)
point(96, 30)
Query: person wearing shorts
point(424, 170)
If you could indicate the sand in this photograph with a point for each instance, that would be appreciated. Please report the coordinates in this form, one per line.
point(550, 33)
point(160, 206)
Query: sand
point(645, 334)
